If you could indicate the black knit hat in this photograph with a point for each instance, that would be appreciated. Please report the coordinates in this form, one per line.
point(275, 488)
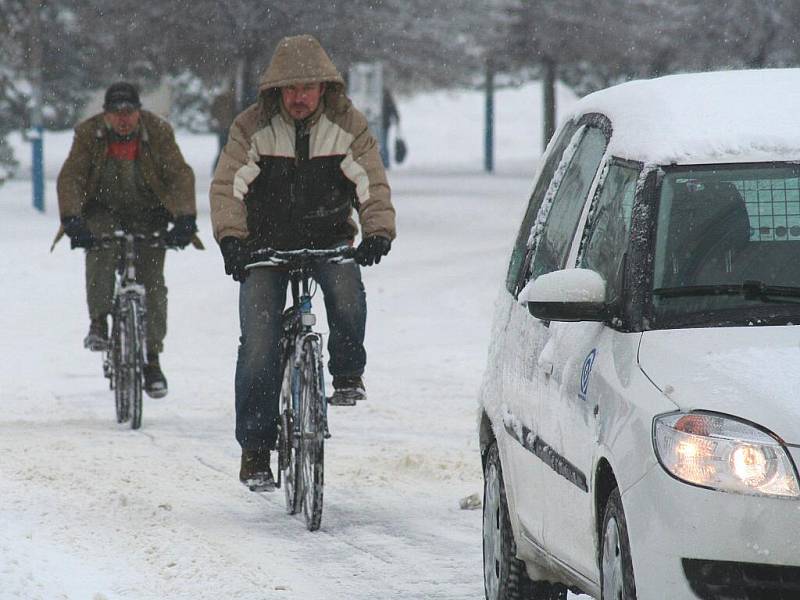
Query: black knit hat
point(120, 96)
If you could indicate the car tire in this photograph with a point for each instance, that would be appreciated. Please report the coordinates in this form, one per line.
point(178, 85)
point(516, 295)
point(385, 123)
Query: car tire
point(616, 566)
point(505, 576)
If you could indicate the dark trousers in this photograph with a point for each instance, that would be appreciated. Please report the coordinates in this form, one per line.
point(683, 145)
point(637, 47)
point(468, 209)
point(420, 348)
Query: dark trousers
point(101, 264)
point(262, 298)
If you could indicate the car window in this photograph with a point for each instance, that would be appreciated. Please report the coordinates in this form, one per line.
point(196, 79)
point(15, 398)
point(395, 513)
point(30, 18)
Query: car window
point(727, 243)
point(606, 235)
point(551, 161)
point(561, 217)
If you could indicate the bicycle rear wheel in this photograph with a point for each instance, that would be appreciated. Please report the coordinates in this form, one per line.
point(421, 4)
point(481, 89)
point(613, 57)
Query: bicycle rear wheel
point(288, 443)
point(312, 438)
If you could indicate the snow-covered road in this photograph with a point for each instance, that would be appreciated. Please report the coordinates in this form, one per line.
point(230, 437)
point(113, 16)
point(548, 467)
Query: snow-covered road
point(92, 510)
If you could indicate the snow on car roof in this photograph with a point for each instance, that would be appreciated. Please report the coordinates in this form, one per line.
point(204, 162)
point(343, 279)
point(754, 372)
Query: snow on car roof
point(716, 117)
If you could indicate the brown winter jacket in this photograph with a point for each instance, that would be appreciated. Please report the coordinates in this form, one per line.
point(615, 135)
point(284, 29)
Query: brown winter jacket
point(276, 187)
point(161, 165)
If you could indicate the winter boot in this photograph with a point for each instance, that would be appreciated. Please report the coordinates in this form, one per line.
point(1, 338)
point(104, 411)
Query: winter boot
point(347, 390)
point(255, 471)
point(97, 338)
point(155, 384)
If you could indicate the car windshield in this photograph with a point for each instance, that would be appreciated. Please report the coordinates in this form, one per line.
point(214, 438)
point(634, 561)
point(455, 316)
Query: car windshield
point(728, 246)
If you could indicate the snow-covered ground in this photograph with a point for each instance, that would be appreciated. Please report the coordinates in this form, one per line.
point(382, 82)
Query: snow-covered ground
point(92, 510)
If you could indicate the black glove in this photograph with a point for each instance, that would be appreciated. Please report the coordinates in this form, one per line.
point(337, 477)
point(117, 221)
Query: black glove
point(182, 232)
point(371, 249)
point(78, 233)
point(235, 257)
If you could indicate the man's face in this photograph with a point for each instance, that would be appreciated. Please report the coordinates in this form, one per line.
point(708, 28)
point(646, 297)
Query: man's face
point(123, 121)
point(302, 100)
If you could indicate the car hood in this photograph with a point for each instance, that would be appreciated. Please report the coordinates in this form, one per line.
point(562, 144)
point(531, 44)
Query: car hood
point(748, 372)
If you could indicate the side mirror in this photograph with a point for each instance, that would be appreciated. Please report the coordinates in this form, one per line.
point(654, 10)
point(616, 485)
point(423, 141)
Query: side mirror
point(567, 295)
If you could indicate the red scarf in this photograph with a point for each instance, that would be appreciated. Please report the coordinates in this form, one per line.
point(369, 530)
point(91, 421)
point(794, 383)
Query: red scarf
point(124, 150)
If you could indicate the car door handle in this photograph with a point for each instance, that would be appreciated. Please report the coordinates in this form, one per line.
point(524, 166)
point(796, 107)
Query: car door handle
point(547, 367)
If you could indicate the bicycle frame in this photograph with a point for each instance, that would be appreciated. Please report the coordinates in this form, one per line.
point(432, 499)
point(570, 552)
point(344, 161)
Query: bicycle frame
point(123, 360)
point(304, 321)
point(299, 263)
point(303, 410)
point(126, 268)
point(126, 288)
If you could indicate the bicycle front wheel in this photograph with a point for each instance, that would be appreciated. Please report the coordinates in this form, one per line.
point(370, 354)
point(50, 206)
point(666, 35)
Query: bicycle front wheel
point(117, 360)
point(136, 369)
point(128, 361)
point(288, 443)
point(312, 433)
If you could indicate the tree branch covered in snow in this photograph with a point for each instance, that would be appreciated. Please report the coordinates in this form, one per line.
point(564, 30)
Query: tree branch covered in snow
point(602, 42)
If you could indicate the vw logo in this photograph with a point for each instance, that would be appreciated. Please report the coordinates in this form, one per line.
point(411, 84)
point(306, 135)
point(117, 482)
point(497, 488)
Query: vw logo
point(586, 370)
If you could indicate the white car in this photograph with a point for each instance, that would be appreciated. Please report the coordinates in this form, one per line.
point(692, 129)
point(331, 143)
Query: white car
point(640, 412)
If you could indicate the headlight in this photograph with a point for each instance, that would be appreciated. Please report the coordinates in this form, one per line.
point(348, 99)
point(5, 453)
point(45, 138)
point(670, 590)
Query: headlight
point(722, 453)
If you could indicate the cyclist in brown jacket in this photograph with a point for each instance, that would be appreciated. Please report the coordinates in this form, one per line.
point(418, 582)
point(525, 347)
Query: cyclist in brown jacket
point(125, 171)
point(296, 166)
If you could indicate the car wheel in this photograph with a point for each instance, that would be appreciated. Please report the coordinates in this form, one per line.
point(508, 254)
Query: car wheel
point(616, 566)
point(504, 576)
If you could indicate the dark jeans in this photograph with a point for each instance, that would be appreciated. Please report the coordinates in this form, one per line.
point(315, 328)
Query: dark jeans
point(262, 298)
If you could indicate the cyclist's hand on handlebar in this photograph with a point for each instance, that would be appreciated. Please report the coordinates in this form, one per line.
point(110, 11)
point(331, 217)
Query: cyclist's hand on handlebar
point(78, 233)
point(235, 257)
point(182, 231)
point(371, 249)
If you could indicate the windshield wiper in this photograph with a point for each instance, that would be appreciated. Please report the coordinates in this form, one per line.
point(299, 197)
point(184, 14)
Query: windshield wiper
point(750, 289)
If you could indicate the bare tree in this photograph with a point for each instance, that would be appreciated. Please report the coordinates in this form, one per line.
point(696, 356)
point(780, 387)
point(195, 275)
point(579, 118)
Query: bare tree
point(221, 42)
point(66, 70)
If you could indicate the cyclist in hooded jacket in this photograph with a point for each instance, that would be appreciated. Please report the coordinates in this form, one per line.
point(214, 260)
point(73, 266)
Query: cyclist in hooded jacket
point(296, 166)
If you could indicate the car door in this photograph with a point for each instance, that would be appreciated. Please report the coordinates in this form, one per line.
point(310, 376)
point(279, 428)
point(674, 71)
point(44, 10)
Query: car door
point(582, 358)
point(549, 243)
point(515, 348)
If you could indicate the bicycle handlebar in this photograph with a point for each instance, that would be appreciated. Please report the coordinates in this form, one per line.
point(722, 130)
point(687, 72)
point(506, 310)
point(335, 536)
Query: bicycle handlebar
point(269, 257)
point(153, 240)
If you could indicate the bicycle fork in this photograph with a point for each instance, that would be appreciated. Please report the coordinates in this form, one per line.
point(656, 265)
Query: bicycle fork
point(297, 361)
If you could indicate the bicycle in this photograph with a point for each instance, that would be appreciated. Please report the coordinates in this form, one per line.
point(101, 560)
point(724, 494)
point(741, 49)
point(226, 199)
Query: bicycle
point(303, 416)
point(123, 359)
